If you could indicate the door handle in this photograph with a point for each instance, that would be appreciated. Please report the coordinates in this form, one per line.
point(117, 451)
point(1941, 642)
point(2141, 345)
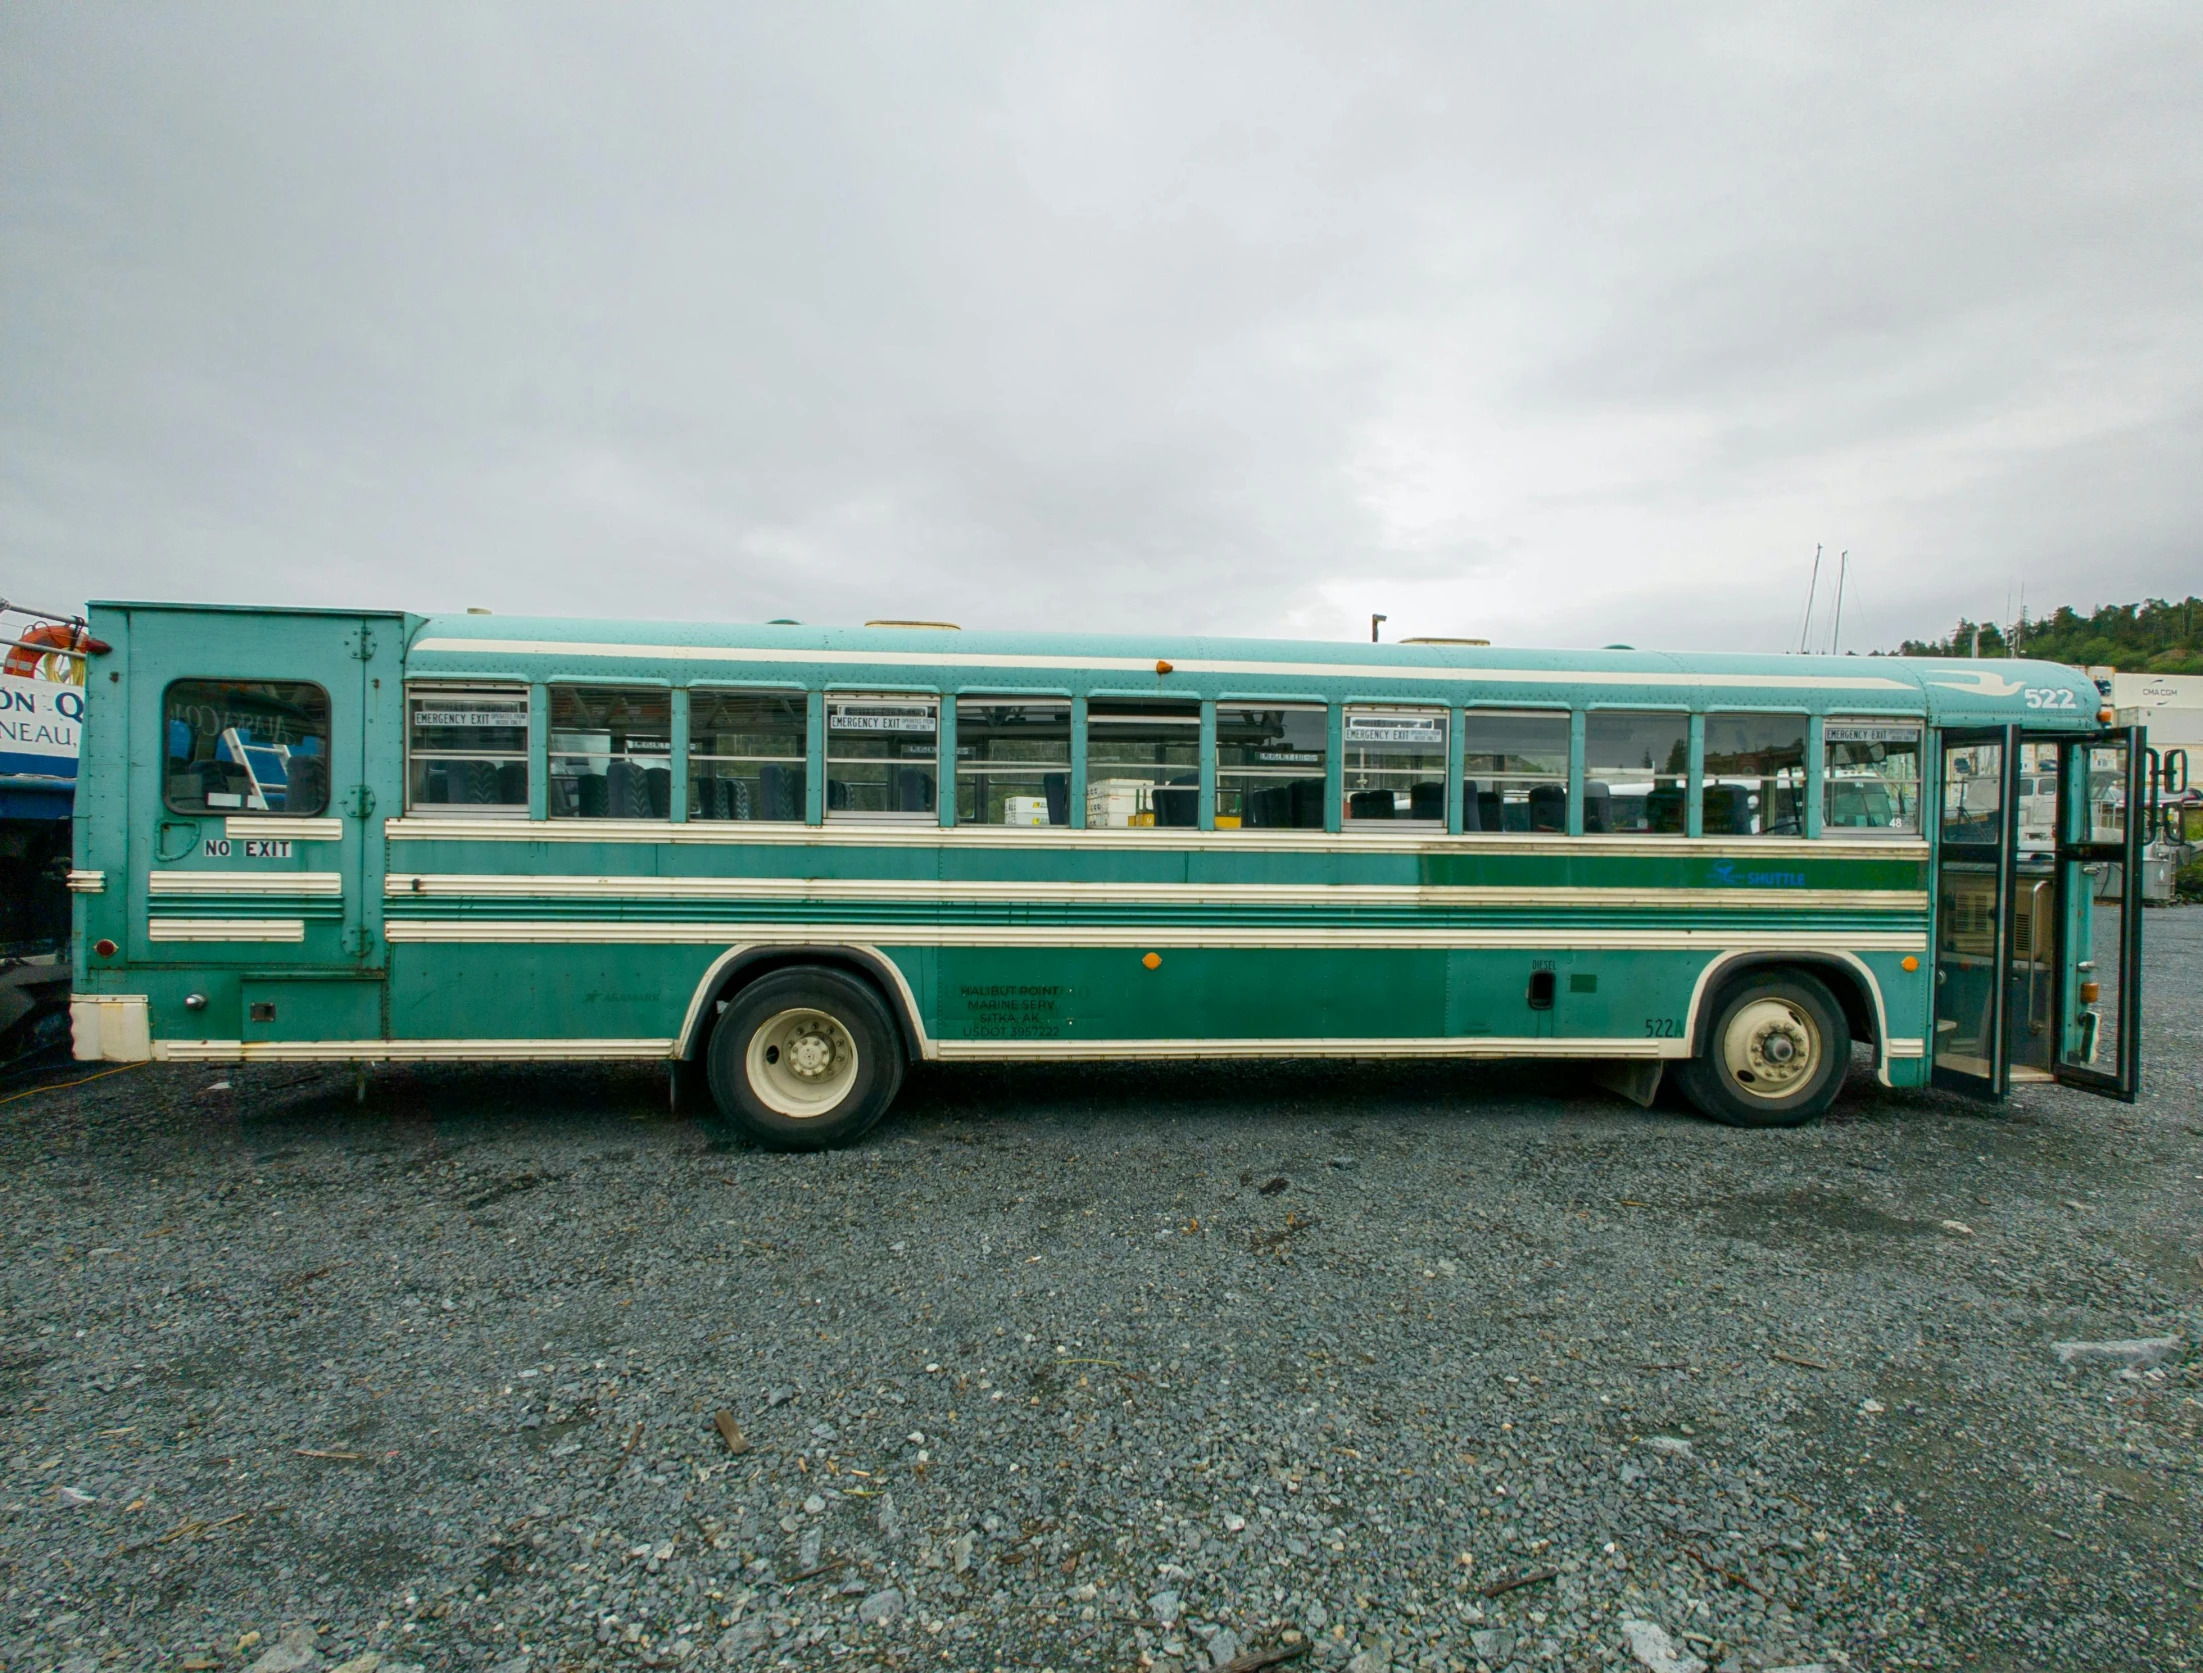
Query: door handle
point(170, 830)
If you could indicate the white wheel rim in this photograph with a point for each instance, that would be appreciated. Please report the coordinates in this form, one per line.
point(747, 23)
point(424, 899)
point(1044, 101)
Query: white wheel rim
point(801, 1063)
point(1771, 1049)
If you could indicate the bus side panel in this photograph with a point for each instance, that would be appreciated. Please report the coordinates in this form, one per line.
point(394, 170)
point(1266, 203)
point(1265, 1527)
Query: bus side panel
point(1192, 993)
point(548, 992)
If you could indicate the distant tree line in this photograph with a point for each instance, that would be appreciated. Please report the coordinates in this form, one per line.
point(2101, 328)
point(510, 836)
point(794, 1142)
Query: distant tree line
point(2154, 637)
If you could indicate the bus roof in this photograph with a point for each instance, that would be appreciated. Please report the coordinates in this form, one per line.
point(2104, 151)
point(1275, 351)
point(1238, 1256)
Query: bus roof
point(1944, 691)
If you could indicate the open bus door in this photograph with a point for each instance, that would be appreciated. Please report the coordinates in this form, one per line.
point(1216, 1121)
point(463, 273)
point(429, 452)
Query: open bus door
point(2103, 824)
point(1977, 830)
point(2038, 913)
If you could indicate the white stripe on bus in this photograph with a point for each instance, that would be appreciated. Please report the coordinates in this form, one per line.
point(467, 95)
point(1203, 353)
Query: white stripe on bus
point(559, 648)
point(436, 827)
point(246, 883)
point(635, 932)
point(516, 886)
point(225, 929)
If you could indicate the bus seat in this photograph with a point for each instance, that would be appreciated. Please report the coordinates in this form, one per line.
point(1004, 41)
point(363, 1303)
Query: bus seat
point(780, 791)
point(1370, 804)
point(1549, 807)
point(1472, 807)
point(1598, 805)
point(1427, 801)
point(1728, 810)
point(913, 791)
point(1177, 805)
point(592, 795)
point(626, 790)
point(512, 783)
point(1307, 814)
point(179, 740)
point(1056, 787)
point(474, 782)
point(1664, 811)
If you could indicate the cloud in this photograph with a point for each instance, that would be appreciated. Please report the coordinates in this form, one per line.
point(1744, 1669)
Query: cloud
point(1565, 325)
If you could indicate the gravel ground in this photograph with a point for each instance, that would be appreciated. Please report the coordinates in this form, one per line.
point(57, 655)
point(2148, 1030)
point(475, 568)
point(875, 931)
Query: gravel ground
point(1101, 1368)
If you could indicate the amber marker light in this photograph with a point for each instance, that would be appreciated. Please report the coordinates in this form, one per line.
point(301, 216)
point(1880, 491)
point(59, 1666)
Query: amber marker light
point(1154, 961)
point(1910, 963)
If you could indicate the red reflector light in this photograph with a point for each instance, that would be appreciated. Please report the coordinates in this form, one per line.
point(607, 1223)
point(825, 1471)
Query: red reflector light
point(105, 949)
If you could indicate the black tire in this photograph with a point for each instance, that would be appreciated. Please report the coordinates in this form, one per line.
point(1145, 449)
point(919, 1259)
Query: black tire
point(836, 1030)
point(1754, 1019)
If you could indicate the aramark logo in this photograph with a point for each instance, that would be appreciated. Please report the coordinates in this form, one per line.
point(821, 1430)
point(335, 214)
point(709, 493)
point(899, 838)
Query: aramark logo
point(1723, 874)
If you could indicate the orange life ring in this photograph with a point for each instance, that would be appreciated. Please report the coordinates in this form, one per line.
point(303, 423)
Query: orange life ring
point(50, 651)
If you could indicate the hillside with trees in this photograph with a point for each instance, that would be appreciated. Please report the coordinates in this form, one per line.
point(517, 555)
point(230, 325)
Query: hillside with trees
point(2154, 637)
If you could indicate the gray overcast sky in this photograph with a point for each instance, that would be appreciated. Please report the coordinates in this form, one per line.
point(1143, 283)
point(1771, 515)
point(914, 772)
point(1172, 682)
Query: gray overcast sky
point(1558, 324)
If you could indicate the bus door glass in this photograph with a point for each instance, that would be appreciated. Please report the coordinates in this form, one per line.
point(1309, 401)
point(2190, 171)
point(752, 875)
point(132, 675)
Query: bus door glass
point(2031, 979)
point(2101, 827)
point(1976, 831)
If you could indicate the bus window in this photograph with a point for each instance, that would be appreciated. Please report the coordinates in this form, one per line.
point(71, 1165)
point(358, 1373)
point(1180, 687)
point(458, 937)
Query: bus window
point(246, 746)
point(1514, 771)
point(1871, 777)
point(1269, 767)
point(1973, 792)
point(2107, 794)
point(1396, 765)
point(1755, 775)
point(1636, 769)
point(611, 752)
point(1143, 764)
point(1013, 761)
point(882, 755)
point(746, 754)
point(467, 749)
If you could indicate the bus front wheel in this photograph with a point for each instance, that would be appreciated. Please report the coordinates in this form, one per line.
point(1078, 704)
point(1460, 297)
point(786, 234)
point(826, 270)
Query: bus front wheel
point(1775, 1056)
point(804, 1060)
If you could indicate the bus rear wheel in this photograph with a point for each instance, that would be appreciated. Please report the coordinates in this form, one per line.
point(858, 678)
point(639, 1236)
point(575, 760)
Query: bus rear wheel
point(1775, 1056)
point(804, 1060)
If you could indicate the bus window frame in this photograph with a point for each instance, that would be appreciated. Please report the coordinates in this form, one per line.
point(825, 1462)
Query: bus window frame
point(1923, 745)
point(1704, 776)
point(827, 697)
point(1188, 709)
point(1565, 714)
point(585, 682)
point(952, 752)
point(1410, 825)
point(1216, 770)
point(1693, 735)
point(798, 697)
point(526, 692)
point(328, 744)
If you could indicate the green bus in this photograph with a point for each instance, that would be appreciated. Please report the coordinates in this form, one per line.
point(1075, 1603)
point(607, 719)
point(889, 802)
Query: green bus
point(790, 861)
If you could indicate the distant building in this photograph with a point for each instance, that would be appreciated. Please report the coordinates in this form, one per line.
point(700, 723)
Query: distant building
point(2170, 705)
